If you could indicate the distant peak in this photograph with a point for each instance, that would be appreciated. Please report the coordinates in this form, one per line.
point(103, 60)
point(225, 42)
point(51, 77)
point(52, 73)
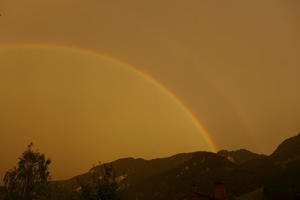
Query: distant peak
point(240, 156)
point(288, 149)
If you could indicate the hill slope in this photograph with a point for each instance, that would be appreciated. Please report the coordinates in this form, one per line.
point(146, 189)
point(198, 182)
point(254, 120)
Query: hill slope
point(243, 172)
point(240, 156)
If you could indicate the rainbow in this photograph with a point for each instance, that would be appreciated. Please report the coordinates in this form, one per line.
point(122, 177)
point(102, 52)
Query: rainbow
point(249, 131)
point(159, 85)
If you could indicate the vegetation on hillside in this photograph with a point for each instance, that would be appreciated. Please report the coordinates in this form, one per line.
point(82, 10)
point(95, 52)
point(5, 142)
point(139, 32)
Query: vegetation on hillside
point(29, 179)
point(246, 175)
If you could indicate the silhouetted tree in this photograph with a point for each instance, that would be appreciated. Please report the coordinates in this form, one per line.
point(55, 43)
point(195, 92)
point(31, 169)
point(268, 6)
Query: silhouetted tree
point(107, 189)
point(29, 179)
point(103, 187)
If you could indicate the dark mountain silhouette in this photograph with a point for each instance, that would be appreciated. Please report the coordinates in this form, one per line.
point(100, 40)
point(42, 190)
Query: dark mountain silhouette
point(174, 177)
point(286, 183)
point(287, 151)
point(246, 174)
point(240, 156)
point(180, 180)
point(131, 171)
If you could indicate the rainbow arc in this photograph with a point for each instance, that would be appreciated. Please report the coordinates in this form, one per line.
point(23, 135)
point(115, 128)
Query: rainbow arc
point(159, 85)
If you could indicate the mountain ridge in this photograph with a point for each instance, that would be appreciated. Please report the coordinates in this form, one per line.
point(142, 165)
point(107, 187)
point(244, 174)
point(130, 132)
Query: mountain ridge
point(245, 174)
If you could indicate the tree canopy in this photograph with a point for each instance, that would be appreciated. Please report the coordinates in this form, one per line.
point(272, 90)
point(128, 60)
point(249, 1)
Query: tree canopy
point(29, 179)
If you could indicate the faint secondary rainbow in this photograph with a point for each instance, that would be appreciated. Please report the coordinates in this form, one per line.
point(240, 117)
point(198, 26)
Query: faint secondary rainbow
point(159, 85)
point(237, 110)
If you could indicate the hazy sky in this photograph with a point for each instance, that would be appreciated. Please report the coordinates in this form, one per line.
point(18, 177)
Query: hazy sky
point(234, 64)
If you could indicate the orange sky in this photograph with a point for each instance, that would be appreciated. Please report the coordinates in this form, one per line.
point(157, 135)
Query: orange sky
point(234, 64)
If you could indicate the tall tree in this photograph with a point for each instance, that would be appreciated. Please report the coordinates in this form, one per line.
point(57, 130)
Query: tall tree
point(29, 179)
point(103, 187)
point(108, 187)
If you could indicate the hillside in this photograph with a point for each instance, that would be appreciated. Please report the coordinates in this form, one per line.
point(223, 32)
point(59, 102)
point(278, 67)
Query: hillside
point(171, 178)
point(288, 150)
point(131, 171)
point(247, 175)
point(181, 180)
point(240, 156)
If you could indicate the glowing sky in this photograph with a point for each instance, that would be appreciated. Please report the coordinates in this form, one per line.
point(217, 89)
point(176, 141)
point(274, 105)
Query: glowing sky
point(234, 64)
point(81, 108)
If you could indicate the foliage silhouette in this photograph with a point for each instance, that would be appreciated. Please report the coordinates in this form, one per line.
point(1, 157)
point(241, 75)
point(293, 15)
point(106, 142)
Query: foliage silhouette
point(103, 187)
point(29, 179)
point(108, 186)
